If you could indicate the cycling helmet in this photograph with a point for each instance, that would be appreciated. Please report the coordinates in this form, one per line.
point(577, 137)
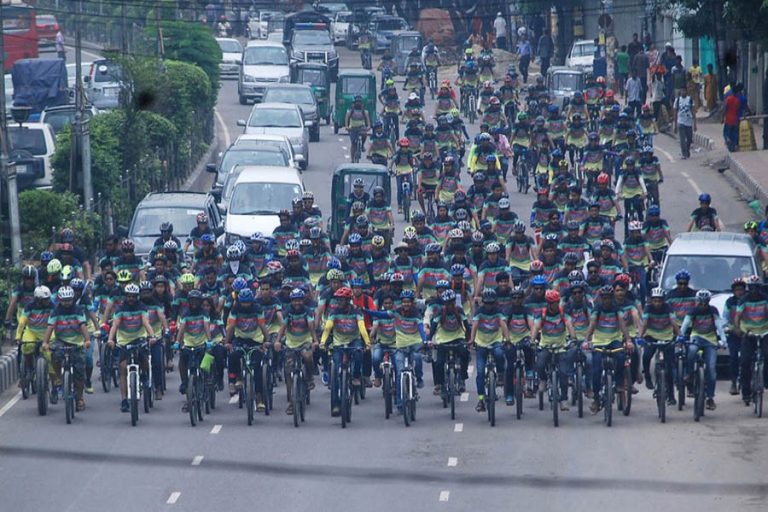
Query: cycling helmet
point(362, 221)
point(29, 272)
point(519, 226)
point(239, 283)
point(683, 275)
point(397, 277)
point(233, 253)
point(657, 292)
point(308, 195)
point(552, 109)
point(504, 203)
point(404, 142)
point(315, 233)
point(184, 279)
point(389, 82)
point(133, 289)
point(539, 281)
point(477, 237)
point(603, 179)
point(648, 149)
point(293, 253)
point(401, 246)
point(128, 245)
point(357, 282)
point(378, 241)
point(292, 245)
point(522, 116)
point(341, 252)
point(464, 226)
point(171, 245)
point(442, 283)
point(334, 274)
point(635, 225)
point(622, 279)
point(378, 190)
point(355, 239)
point(407, 294)
point(67, 293)
point(479, 176)
point(703, 296)
point(67, 235)
point(448, 296)
point(457, 269)
point(207, 238)
point(606, 290)
point(433, 249)
point(492, 248)
point(46, 256)
point(409, 235)
point(517, 291)
point(537, 266)
point(245, 295)
point(297, 293)
point(571, 257)
point(343, 293)
point(201, 218)
point(654, 210)
point(166, 227)
point(144, 285)
point(418, 216)
point(125, 276)
point(489, 296)
point(552, 296)
point(274, 267)
point(67, 273)
point(705, 198)
point(284, 213)
point(455, 233)
point(42, 292)
point(333, 263)
point(607, 244)
point(615, 108)
point(77, 284)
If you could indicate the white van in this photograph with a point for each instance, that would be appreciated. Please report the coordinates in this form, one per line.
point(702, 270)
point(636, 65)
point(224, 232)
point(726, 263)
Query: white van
point(32, 145)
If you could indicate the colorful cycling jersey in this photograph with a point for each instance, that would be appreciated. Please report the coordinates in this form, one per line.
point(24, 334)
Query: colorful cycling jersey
point(593, 228)
point(23, 298)
point(298, 326)
point(429, 175)
point(703, 323)
point(441, 227)
point(131, 327)
point(658, 322)
point(592, 160)
point(576, 212)
point(656, 234)
point(488, 322)
point(431, 275)
point(489, 270)
point(636, 252)
point(268, 309)
point(627, 307)
point(154, 309)
point(385, 331)
point(631, 185)
point(195, 334)
point(681, 302)
point(609, 269)
point(408, 327)
point(556, 128)
point(503, 226)
point(317, 264)
point(33, 322)
point(702, 219)
point(449, 184)
point(283, 234)
point(574, 245)
point(553, 329)
point(380, 264)
point(650, 170)
point(346, 326)
point(607, 329)
point(579, 316)
point(607, 201)
point(247, 323)
point(378, 215)
point(66, 323)
point(517, 323)
point(448, 326)
point(754, 314)
point(357, 118)
point(519, 250)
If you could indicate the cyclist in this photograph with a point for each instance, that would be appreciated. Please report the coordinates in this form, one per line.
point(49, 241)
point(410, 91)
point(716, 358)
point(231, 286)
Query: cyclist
point(23, 295)
point(379, 152)
point(201, 228)
point(383, 337)
point(704, 218)
point(391, 104)
point(577, 107)
point(468, 83)
point(650, 170)
point(357, 122)
point(444, 101)
point(609, 206)
point(414, 80)
point(592, 160)
point(364, 44)
point(489, 332)
point(448, 324)
point(751, 322)
point(556, 127)
point(246, 329)
point(646, 124)
point(682, 298)
point(734, 340)
point(33, 323)
point(630, 186)
point(606, 330)
point(552, 329)
point(637, 253)
point(432, 270)
point(659, 325)
point(706, 334)
point(130, 324)
point(430, 57)
point(299, 332)
point(67, 326)
point(346, 324)
point(448, 182)
point(576, 139)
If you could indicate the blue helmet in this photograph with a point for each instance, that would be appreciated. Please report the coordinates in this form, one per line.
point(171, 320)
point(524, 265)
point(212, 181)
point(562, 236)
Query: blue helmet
point(407, 294)
point(539, 281)
point(457, 269)
point(654, 210)
point(552, 109)
point(297, 293)
point(683, 275)
point(705, 198)
point(357, 283)
point(46, 256)
point(470, 66)
point(239, 283)
point(207, 238)
point(355, 239)
point(378, 124)
point(245, 295)
point(442, 283)
point(334, 263)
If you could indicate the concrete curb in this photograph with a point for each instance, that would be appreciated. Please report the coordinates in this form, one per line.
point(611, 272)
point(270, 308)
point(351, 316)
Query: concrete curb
point(204, 159)
point(743, 175)
point(8, 370)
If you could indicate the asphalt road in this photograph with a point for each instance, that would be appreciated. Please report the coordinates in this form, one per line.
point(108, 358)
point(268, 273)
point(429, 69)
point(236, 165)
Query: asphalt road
point(102, 463)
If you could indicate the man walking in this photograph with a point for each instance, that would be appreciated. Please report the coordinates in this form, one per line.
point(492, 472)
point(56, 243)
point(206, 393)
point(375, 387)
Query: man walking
point(634, 90)
point(545, 49)
point(639, 66)
point(60, 50)
point(524, 50)
point(685, 122)
point(634, 47)
point(731, 120)
point(500, 29)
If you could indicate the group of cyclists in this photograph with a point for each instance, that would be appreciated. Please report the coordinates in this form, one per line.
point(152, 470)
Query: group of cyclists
point(467, 275)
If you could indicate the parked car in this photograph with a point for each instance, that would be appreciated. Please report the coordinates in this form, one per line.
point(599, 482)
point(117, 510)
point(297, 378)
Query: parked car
point(103, 84)
point(264, 63)
point(231, 57)
point(257, 197)
point(301, 95)
point(64, 115)
point(315, 45)
point(383, 28)
point(32, 146)
point(340, 26)
point(283, 119)
point(582, 55)
point(178, 208)
point(47, 28)
point(247, 155)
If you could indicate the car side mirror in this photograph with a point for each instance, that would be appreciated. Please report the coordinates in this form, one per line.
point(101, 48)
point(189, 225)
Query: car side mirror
point(299, 159)
point(219, 230)
point(223, 212)
point(216, 193)
point(241, 122)
point(210, 168)
point(122, 231)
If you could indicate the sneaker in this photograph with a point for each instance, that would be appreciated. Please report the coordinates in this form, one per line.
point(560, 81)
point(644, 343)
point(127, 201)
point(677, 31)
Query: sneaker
point(480, 407)
point(437, 391)
point(183, 389)
point(260, 407)
point(158, 394)
point(747, 402)
point(376, 382)
point(367, 382)
point(336, 411)
point(734, 388)
point(289, 410)
point(326, 379)
point(595, 407)
point(185, 407)
point(79, 405)
point(648, 381)
point(564, 405)
point(671, 401)
point(124, 407)
point(635, 390)
point(542, 386)
point(89, 388)
point(462, 386)
point(419, 383)
point(399, 409)
point(640, 377)
point(238, 385)
point(711, 404)
point(55, 392)
point(590, 394)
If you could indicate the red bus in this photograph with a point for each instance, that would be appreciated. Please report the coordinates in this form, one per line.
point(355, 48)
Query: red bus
point(19, 32)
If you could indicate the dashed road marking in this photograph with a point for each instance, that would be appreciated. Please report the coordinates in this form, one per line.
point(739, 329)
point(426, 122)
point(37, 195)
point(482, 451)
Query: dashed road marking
point(444, 495)
point(690, 181)
point(234, 399)
point(197, 460)
point(216, 429)
point(344, 148)
point(464, 397)
point(173, 498)
point(452, 462)
point(459, 427)
point(11, 403)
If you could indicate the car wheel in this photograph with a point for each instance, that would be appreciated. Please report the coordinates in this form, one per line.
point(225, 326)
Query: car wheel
point(243, 99)
point(305, 163)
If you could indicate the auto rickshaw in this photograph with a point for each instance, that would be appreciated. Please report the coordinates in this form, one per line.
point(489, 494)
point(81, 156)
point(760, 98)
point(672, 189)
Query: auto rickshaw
point(401, 45)
point(562, 82)
point(373, 175)
point(351, 83)
point(317, 76)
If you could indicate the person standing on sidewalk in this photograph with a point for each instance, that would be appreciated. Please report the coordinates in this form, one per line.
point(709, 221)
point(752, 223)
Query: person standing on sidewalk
point(640, 65)
point(545, 48)
point(524, 50)
point(60, 50)
point(500, 28)
point(710, 88)
point(731, 121)
point(634, 90)
point(622, 67)
point(685, 122)
point(659, 99)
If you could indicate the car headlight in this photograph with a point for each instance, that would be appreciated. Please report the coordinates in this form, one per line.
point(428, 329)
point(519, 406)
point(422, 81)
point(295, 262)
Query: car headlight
point(249, 78)
point(285, 79)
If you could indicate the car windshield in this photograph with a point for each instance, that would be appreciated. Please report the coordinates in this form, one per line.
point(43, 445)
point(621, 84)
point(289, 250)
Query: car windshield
point(396, 24)
point(59, 119)
point(311, 38)
point(292, 95)
point(715, 273)
point(275, 117)
point(283, 145)
point(583, 50)
point(343, 17)
point(406, 44)
point(28, 139)
point(312, 77)
point(265, 56)
point(566, 82)
point(262, 198)
point(147, 221)
point(45, 19)
point(106, 72)
point(247, 157)
point(266, 15)
point(355, 85)
point(230, 46)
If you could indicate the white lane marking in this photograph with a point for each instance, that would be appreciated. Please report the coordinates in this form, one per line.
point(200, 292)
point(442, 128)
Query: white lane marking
point(173, 498)
point(470, 370)
point(234, 399)
point(344, 148)
point(444, 495)
point(197, 460)
point(216, 429)
point(459, 427)
point(690, 181)
point(346, 156)
point(452, 462)
point(666, 154)
point(11, 403)
point(464, 397)
point(227, 138)
point(341, 140)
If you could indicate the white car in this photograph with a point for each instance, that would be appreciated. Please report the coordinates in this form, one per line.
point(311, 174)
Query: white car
point(258, 195)
point(231, 57)
point(340, 26)
point(264, 63)
point(32, 146)
point(582, 55)
point(280, 119)
point(271, 139)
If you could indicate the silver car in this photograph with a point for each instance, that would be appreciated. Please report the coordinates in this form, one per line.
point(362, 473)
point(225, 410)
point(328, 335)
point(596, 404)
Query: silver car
point(280, 119)
point(103, 84)
point(231, 57)
point(301, 95)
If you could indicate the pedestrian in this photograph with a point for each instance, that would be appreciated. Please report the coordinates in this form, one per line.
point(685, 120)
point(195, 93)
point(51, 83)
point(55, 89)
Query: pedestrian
point(659, 99)
point(678, 75)
point(634, 93)
point(668, 60)
point(524, 51)
point(545, 48)
point(696, 78)
point(634, 47)
point(622, 67)
point(500, 29)
point(640, 66)
point(60, 49)
point(731, 120)
point(710, 88)
point(685, 122)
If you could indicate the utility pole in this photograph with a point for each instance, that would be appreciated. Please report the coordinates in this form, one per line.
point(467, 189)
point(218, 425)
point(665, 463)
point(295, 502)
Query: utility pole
point(8, 171)
point(82, 146)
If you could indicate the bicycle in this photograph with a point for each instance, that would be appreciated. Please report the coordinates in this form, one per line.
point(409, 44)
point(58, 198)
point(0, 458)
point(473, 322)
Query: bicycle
point(680, 365)
point(388, 381)
point(247, 394)
point(522, 173)
point(107, 369)
point(195, 382)
point(432, 80)
point(660, 390)
point(365, 57)
point(699, 366)
point(624, 393)
point(356, 145)
point(553, 379)
point(268, 378)
point(392, 127)
point(429, 205)
point(42, 385)
point(758, 383)
point(406, 184)
point(607, 379)
point(299, 390)
point(490, 387)
point(139, 383)
point(27, 377)
point(68, 384)
point(343, 390)
point(451, 373)
point(408, 393)
point(578, 383)
point(518, 376)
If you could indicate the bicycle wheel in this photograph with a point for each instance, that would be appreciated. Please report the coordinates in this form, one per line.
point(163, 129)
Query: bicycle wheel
point(24, 377)
point(267, 385)
point(578, 391)
point(106, 368)
point(405, 390)
point(147, 398)
point(541, 399)
point(450, 378)
point(41, 374)
point(248, 390)
point(69, 399)
point(191, 383)
point(303, 397)
point(296, 398)
point(490, 397)
point(680, 382)
point(555, 395)
point(346, 399)
point(199, 396)
point(206, 394)
point(627, 402)
point(387, 386)
point(519, 385)
point(406, 207)
point(757, 388)
point(608, 399)
point(133, 400)
point(212, 395)
point(698, 389)
point(162, 385)
point(661, 394)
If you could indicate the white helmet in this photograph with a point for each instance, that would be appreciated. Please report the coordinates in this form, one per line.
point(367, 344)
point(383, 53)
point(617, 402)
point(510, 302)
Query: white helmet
point(657, 292)
point(66, 292)
point(42, 292)
point(412, 96)
point(635, 225)
point(703, 295)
